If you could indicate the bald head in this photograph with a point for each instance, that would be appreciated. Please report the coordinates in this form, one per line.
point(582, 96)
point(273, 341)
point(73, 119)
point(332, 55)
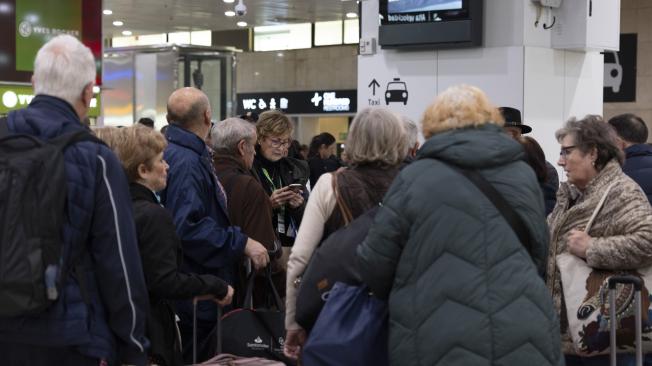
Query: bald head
point(189, 108)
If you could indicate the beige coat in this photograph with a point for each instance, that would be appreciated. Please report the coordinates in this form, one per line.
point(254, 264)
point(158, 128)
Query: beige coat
point(621, 233)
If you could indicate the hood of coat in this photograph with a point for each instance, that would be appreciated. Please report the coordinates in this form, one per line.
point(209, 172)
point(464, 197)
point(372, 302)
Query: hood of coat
point(478, 147)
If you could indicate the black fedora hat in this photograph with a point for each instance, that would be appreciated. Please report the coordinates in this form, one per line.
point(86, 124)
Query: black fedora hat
point(512, 118)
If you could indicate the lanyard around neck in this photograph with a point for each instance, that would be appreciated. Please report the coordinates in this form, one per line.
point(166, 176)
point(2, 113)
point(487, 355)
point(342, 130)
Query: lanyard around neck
point(270, 180)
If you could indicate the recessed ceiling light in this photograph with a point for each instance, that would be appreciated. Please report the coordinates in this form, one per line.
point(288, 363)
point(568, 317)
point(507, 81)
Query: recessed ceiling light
point(229, 13)
point(351, 15)
point(107, 12)
point(118, 23)
point(126, 33)
point(280, 54)
point(229, 1)
point(241, 24)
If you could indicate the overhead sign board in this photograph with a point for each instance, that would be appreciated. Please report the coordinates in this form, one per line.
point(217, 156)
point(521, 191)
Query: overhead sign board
point(302, 102)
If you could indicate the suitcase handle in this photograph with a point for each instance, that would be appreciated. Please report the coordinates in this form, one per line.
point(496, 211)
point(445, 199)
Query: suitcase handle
point(632, 280)
point(218, 331)
point(638, 317)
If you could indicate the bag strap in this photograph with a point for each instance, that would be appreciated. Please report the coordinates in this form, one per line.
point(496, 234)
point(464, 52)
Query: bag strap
point(4, 127)
point(344, 208)
point(598, 208)
point(497, 199)
point(249, 298)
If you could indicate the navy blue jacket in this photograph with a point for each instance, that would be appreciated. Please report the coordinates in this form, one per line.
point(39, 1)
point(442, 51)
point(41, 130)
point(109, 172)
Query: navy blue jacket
point(211, 245)
point(110, 324)
point(638, 165)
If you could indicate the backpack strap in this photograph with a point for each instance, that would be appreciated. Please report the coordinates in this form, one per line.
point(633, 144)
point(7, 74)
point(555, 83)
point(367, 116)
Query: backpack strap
point(4, 127)
point(63, 141)
point(513, 219)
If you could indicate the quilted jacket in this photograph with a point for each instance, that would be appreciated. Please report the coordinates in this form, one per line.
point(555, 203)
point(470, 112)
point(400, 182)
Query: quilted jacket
point(638, 165)
point(110, 324)
point(462, 289)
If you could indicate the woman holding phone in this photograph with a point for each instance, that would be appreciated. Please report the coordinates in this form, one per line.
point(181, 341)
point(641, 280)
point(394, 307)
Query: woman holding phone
point(283, 178)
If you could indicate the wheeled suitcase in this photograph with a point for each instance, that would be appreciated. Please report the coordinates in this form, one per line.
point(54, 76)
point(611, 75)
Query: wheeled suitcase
point(223, 359)
point(638, 285)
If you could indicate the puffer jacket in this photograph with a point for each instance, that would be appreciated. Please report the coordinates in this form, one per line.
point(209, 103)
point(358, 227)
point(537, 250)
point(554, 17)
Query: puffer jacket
point(638, 166)
point(462, 289)
point(621, 232)
point(110, 323)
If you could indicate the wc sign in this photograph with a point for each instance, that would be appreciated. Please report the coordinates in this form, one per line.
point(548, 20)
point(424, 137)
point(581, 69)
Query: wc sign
point(301, 102)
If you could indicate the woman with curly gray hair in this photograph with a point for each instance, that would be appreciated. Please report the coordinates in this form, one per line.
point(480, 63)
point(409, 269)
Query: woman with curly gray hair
point(621, 233)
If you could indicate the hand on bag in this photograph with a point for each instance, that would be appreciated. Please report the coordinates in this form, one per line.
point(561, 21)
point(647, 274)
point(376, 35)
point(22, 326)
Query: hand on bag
point(578, 243)
point(257, 253)
point(296, 200)
point(226, 300)
point(281, 196)
point(294, 341)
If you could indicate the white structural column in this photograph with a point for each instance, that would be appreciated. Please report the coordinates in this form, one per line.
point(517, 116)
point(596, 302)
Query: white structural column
point(516, 67)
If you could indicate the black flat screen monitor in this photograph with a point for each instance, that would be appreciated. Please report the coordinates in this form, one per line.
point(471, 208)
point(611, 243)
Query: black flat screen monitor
point(431, 23)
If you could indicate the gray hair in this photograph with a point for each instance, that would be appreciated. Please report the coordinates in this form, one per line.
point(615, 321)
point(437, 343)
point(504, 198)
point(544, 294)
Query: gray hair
point(411, 130)
point(593, 132)
point(63, 68)
point(377, 136)
point(226, 134)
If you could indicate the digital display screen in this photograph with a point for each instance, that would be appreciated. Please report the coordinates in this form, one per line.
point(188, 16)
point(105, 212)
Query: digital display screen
point(412, 6)
point(422, 11)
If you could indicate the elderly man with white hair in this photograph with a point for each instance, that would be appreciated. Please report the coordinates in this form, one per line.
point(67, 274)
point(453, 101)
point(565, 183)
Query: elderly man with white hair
point(234, 144)
point(99, 315)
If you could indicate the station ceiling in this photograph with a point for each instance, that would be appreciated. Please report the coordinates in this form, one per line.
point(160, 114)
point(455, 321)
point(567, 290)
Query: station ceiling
point(162, 16)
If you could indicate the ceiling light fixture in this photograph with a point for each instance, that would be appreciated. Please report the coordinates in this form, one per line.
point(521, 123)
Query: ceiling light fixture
point(351, 15)
point(229, 13)
point(241, 24)
point(229, 1)
point(107, 12)
point(126, 33)
point(118, 23)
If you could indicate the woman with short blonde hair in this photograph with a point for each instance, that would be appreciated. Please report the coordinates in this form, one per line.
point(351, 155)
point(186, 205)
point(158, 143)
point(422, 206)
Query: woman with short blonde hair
point(460, 106)
point(453, 269)
point(140, 150)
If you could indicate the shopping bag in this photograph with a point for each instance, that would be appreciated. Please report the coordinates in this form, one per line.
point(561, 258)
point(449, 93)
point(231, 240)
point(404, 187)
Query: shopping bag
point(352, 329)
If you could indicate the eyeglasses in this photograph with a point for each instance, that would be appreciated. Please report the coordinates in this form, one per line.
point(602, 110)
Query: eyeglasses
point(565, 150)
point(276, 143)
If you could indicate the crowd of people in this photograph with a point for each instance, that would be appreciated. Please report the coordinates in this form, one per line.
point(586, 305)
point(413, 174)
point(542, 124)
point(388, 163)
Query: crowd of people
point(158, 221)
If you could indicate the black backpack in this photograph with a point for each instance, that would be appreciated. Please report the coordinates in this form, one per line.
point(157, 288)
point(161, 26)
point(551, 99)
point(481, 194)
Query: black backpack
point(32, 210)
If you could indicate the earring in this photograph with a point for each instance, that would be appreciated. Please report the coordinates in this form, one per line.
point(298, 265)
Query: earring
point(593, 163)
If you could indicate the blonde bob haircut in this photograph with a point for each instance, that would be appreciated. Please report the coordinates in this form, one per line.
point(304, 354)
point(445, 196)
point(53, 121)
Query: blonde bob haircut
point(139, 145)
point(273, 123)
point(376, 136)
point(459, 106)
point(110, 135)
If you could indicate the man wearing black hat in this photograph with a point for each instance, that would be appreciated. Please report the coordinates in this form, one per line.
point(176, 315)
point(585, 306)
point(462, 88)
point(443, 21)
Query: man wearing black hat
point(514, 127)
point(513, 124)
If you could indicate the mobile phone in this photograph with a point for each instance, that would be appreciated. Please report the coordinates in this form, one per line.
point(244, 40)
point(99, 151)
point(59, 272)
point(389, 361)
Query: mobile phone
point(296, 187)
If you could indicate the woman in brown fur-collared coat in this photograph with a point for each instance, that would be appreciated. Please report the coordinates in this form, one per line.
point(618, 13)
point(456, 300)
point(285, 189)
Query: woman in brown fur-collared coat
point(621, 234)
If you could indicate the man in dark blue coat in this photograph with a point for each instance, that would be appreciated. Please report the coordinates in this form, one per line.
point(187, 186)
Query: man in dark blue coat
point(638, 155)
point(194, 195)
point(99, 317)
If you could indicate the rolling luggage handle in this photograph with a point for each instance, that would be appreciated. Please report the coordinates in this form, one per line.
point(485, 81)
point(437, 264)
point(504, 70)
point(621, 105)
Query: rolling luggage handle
point(218, 334)
point(638, 285)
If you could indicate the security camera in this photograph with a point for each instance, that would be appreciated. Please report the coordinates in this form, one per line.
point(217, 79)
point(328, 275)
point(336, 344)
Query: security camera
point(241, 9)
